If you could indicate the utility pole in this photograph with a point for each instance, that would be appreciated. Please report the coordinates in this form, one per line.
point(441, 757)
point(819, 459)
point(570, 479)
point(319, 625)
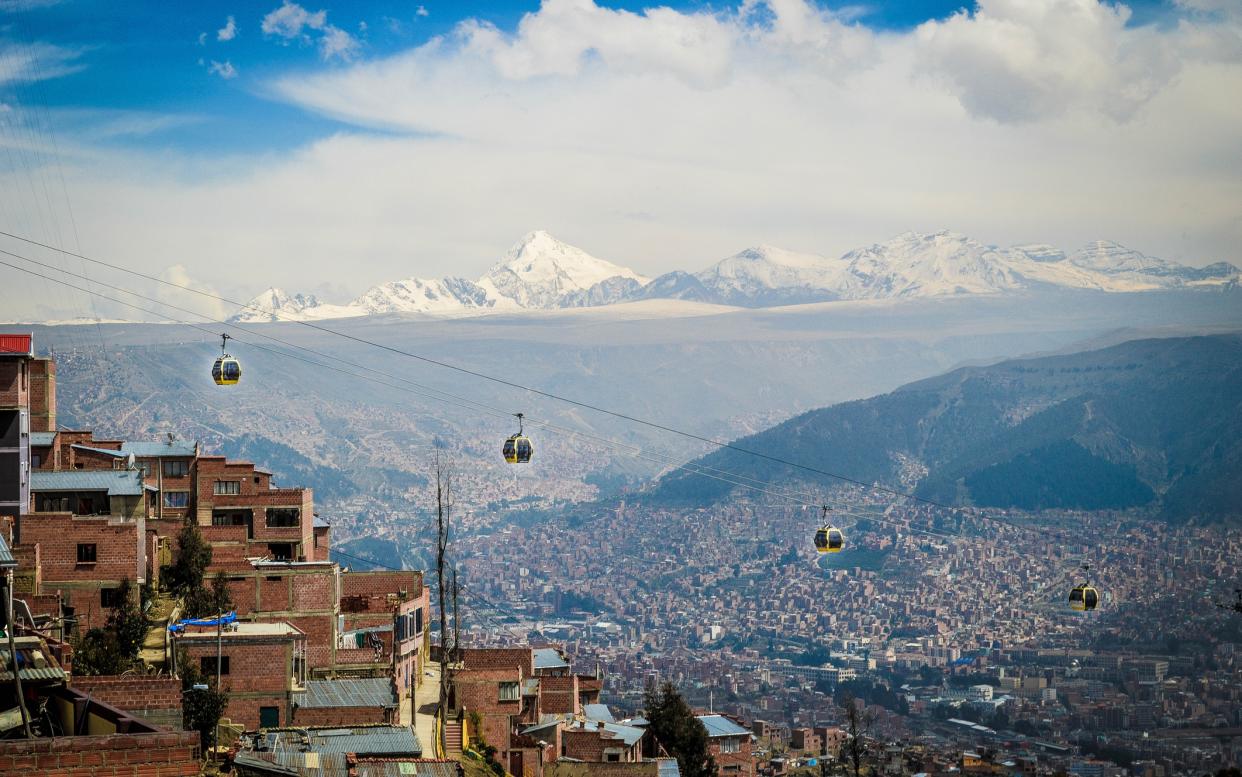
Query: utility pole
point(443, 518)
point(219, 645)
point(456, 620)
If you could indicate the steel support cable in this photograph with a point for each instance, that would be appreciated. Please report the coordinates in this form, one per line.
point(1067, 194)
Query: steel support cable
point(511, 384)
point(461, 402)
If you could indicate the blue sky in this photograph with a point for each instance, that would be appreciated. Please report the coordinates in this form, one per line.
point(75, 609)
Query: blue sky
point(423, 143)
point(140, 57)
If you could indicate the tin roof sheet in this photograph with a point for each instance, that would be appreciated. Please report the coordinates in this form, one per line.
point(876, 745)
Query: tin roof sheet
point(116, 482)
point(153, 450)
point(720, 726)
point(347, 692)
point(371, 740)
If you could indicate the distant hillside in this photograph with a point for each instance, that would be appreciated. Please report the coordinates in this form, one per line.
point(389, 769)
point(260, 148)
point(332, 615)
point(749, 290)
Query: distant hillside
point(1147, 422)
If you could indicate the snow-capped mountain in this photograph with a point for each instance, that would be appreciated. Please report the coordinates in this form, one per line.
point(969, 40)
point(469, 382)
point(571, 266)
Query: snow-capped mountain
point(273, 304)
point(540, 272)
point(766, 275)
point(419, 295)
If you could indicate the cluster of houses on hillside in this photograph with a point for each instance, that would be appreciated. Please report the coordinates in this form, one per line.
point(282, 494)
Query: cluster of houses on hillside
point(323, 666)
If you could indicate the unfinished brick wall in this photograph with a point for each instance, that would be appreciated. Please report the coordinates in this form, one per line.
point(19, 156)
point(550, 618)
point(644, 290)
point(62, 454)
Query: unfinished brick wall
point(559, 694)
point(343, 716)
point(14, 383)
point(58, 536)
point(380, 584)
point(154, 699)
point(500, 658)
point(42, 395)
point(171, 754)
point(591, 744)
point(260, 671)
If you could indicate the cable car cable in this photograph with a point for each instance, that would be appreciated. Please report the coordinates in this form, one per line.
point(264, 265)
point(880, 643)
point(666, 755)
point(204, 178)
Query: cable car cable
point(504, 382)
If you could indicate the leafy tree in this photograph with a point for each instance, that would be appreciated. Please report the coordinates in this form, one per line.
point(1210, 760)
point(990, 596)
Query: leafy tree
point(675, 727)
point(201, 708)
point(204, 602)
point(97, 652)
point(190, 563)
point(113, 648)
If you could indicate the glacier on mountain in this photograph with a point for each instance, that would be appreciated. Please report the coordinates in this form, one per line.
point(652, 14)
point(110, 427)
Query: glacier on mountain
point(542, 273)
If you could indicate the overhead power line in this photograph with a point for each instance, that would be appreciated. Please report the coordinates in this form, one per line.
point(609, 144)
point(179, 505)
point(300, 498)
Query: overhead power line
point(501, 381)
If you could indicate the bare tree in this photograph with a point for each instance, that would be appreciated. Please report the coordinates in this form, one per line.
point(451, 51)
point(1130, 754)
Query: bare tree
point(858, 725)
point(444, 506)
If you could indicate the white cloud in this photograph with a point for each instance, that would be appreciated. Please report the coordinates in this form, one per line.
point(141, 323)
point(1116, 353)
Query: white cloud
point(202, 39)
point(668, 139)
point(293, 22)
point(290, 19)
point(422, 11)
point(36, 62)
point(223, 69)
point(228, 31)
point(337, 44)
point(1016, 60)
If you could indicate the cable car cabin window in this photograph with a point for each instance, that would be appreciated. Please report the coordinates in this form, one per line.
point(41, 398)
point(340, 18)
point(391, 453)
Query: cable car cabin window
point(509, 692)
point(176, 499)
point(176, 469)
point(228, 487)
point(86, 552)
point(283, 517)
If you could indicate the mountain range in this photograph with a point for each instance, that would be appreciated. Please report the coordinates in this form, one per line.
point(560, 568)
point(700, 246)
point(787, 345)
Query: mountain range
point(542, 273)
point(1145, 424)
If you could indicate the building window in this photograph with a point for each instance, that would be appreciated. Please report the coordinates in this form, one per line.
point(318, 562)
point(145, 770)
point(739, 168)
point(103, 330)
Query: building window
point(612, 757)
point(228, 487)
point(109, 597)
point(207, 665)
point(36, 460)
point(176, 468)
point(730, 745)
point(225, 518)
point(52, 503)
point(509, 692)
point(283, 517)
point(90, 505)
point(176, 499)
point(281, 551)
point(269, 717)
point(86, 553)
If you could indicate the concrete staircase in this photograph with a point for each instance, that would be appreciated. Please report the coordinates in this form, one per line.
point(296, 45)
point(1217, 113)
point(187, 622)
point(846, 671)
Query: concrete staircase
point(452, 739)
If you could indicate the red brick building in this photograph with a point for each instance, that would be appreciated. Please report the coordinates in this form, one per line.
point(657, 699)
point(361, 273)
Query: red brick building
point(261, 665)
point(730, 744)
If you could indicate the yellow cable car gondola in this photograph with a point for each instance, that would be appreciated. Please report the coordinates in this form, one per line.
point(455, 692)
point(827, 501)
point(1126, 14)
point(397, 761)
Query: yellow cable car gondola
point(1083, 597)
point(517, 448)
point(829, 539)
point(227, 370)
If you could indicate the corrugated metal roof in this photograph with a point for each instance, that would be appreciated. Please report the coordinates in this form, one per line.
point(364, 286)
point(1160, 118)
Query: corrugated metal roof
point(627, 734)
point(375, 740)
point(549, 658)
point(42, 439)
point(667, 767)
point(352, 692)
point(33, 675)
point(116, 482)
point(20, 345)
point(151, 450)
point(292, 762)
point(6, 556)
point(104, 451)
point(720, 726)
point(598, 712)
